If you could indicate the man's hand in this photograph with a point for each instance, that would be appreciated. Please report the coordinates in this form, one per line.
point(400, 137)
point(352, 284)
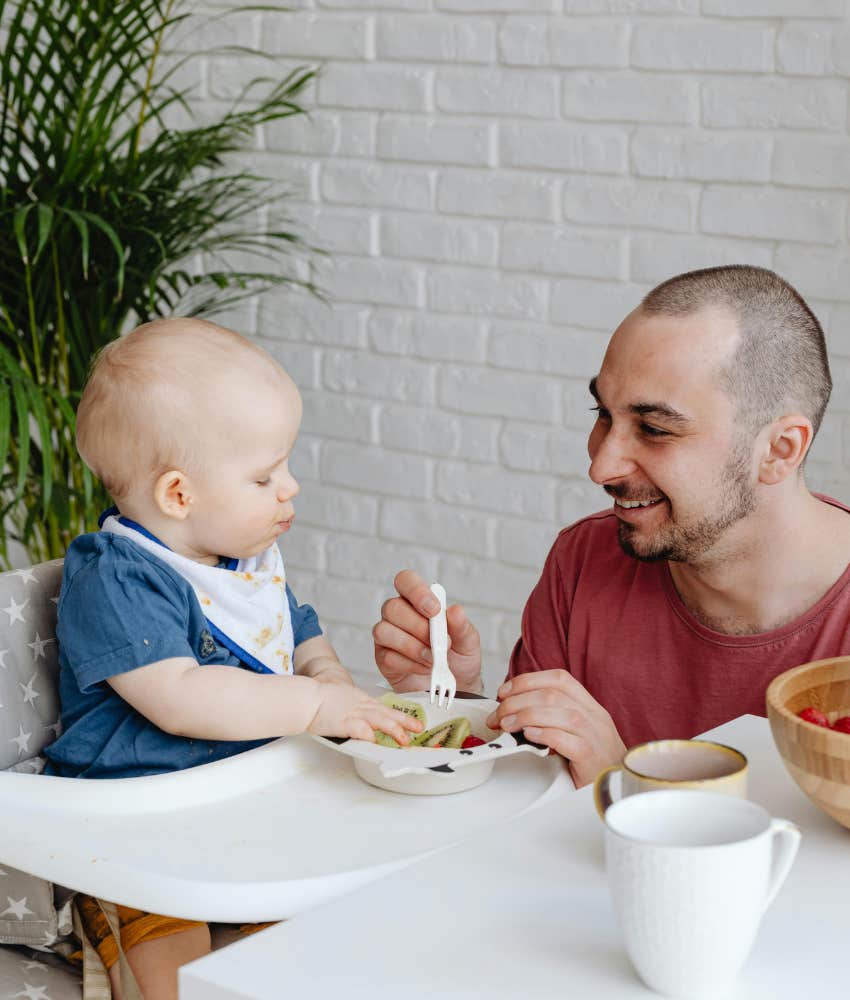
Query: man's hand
point(402, 644)
point(552, 708)
point(347, 711)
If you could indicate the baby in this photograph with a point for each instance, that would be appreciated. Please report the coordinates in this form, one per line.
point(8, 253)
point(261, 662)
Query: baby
point(180, 639)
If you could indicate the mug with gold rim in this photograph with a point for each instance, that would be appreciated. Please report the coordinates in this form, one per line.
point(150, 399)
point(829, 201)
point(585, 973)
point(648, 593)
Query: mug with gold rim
point(674, 763)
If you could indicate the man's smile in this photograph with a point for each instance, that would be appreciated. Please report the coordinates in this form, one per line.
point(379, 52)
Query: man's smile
point(629, 504)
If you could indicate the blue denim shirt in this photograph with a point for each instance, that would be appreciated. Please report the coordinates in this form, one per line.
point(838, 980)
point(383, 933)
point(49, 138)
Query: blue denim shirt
point(120, 608)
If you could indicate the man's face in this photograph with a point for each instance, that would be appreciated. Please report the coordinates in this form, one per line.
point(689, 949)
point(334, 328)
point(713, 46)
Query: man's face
point(665, 444)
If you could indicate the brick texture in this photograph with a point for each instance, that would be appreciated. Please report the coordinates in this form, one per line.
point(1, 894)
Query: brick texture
point(497, 183)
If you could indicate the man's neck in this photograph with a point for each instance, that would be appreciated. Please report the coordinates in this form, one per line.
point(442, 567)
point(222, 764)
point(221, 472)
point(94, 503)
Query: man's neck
point(770, 569)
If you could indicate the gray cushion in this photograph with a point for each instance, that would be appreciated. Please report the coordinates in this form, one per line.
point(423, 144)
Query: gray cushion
point(29, 695)
point(25, 973)
point(32, 912)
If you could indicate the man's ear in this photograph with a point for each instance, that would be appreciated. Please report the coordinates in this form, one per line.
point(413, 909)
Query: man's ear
point(786, 442)
point(173, 494)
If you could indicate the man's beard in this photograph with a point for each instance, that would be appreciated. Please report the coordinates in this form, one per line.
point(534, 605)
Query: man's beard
point(689, 543)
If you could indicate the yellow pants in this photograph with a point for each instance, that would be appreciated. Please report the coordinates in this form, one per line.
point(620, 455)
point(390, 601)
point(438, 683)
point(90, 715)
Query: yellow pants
point(136, 926)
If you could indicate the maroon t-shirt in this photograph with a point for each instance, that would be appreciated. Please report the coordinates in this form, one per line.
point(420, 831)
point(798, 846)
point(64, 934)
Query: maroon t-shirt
point(619, 626)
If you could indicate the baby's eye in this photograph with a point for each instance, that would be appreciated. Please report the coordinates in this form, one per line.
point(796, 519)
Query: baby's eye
point(264, 482)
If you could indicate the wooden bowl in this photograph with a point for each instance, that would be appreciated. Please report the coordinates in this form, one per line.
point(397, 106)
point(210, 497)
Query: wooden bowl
point(817, 758)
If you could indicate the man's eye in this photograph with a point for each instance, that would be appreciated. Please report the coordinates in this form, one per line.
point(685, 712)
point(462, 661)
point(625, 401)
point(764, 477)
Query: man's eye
point(601, 412)
point(653, 431)
point(264, 482)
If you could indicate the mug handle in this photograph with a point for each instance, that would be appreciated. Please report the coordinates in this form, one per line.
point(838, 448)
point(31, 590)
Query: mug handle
point(602, 789)
point(786, 839)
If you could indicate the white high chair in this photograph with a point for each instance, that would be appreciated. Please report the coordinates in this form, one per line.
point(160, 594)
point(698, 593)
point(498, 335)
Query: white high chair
point(259, 836)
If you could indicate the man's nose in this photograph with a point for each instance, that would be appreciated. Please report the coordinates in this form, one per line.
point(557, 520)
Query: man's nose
point(610, 456)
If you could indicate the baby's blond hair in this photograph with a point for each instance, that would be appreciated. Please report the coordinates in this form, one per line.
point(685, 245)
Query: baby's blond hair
point(151, 396)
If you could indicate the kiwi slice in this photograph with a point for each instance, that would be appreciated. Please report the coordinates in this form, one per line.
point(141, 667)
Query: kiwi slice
point(400, 705)
point(449, 735)
point(403, 705)
point(432, 737)
point(460, 729)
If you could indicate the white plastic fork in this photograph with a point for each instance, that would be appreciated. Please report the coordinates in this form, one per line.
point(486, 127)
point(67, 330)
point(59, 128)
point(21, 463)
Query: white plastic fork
point(443, 683)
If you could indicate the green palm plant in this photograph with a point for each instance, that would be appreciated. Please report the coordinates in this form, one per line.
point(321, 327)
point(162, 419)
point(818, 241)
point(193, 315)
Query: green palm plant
point(104, 211)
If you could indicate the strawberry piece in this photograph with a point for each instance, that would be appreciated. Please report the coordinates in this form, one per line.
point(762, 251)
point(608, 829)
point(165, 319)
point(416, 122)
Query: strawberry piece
point(472, 741)
point(811, 714)
point(842, 725)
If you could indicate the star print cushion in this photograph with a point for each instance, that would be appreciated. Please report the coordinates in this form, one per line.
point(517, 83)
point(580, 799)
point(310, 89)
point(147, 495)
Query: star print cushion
point(29, 719)
point(29, 672)
point(28, 913)
point(29, 975)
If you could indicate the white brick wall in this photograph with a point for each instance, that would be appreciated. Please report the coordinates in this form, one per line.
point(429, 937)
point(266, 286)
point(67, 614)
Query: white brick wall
point(498, 182)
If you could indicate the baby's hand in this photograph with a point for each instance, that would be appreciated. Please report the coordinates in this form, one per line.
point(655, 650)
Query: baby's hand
point(348, 711)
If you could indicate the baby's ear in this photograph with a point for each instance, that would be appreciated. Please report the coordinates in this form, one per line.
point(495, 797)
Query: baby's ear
point(172, 494)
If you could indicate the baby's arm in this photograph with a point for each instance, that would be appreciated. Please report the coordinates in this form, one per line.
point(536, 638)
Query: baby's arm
point(317, 658)
point(214, 702)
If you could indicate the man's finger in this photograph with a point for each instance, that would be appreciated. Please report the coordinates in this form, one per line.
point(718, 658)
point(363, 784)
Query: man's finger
point(550, 707)
point(568, 720)
point(392, 637)
point(566, 744)
point(394, 667)
point(462, 633)
point(541, 680)
point(400, 613)
point(414, 589)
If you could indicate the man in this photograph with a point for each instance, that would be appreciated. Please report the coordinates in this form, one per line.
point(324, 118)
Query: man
point(715, 569)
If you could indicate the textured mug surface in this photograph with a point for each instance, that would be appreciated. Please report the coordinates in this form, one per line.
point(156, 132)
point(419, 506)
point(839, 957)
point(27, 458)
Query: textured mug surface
point(691, 874)
point(666, 764)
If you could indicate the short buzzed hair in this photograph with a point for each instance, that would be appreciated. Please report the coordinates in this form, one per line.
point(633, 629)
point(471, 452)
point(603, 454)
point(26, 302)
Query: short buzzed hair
point(780, 364)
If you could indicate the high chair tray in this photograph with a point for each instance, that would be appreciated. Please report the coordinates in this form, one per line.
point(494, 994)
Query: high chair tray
point(259, 836)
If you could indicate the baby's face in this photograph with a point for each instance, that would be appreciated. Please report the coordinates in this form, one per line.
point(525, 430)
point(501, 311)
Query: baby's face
point(243, 500)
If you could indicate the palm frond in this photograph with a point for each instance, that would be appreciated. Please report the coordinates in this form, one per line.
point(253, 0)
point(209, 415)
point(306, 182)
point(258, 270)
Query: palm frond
point(103, 207)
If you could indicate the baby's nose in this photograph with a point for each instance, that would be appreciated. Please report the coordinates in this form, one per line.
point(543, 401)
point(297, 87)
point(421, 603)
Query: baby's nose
point(288, 489)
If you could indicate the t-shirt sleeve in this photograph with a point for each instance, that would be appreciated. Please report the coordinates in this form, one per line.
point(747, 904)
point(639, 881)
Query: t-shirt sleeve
point(542, 644)
point(305, 621)
point(118, 613)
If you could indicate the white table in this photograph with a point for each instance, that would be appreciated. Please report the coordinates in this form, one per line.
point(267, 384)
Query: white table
point(524, 911)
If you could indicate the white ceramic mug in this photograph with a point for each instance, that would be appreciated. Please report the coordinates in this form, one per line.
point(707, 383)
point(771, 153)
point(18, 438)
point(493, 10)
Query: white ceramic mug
point(691, 874)
point(663, 764)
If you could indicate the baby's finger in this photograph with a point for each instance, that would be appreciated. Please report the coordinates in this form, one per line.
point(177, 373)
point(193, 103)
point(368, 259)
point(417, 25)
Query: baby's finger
point(359, 729)
point(409, 722)
point(399, 725)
